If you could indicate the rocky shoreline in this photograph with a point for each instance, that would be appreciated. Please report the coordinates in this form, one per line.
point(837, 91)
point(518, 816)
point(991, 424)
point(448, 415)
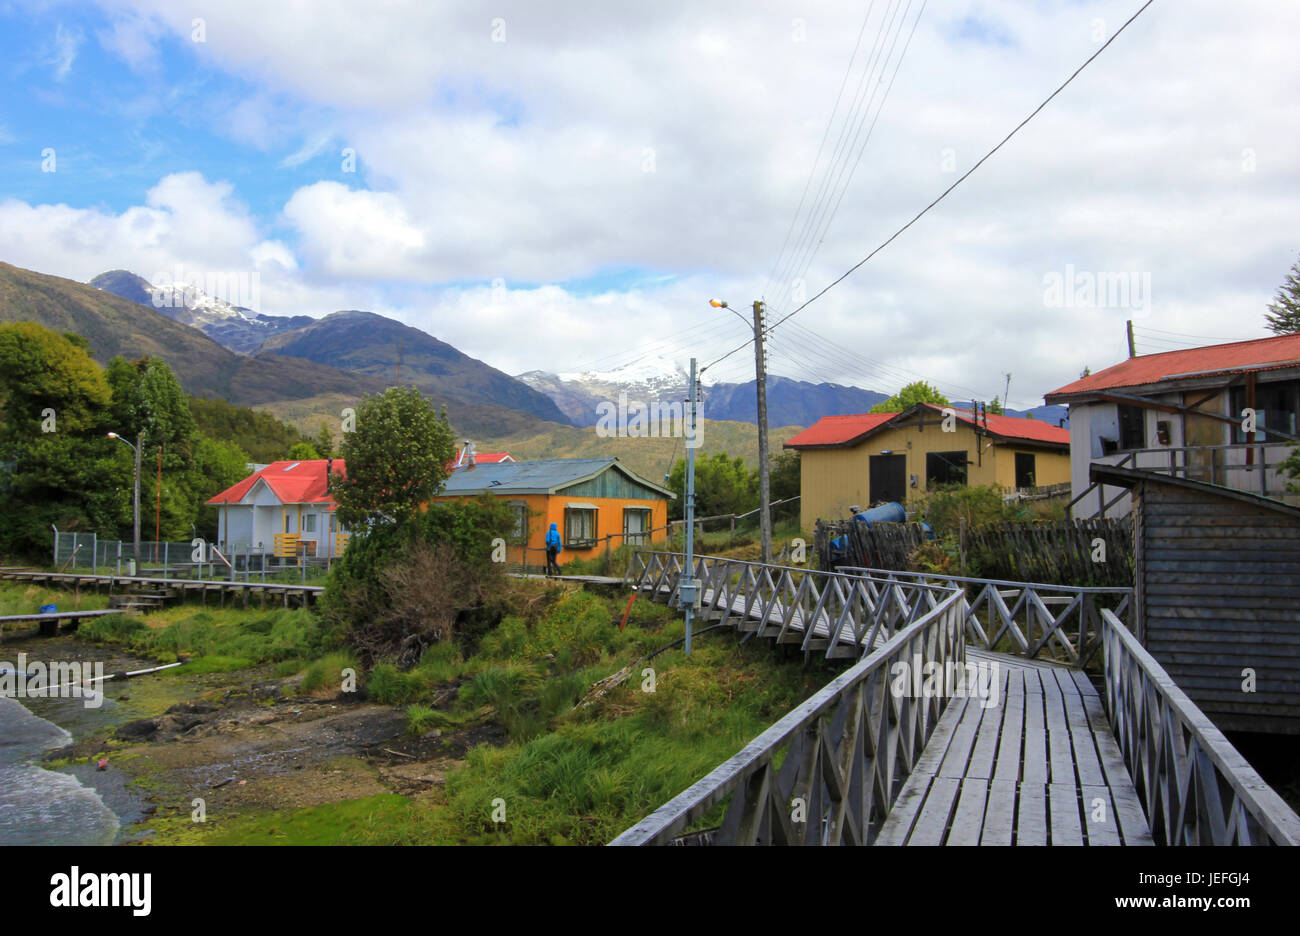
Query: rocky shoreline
point(206, 748)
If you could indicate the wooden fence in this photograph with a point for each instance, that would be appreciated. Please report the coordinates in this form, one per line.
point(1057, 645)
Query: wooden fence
point(1071, 552)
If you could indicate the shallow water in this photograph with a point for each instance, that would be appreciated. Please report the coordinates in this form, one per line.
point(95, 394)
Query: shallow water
point(38, 806)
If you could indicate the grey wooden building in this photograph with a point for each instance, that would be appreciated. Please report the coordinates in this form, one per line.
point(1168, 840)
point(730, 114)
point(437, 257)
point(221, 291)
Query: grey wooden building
point(1217, 595)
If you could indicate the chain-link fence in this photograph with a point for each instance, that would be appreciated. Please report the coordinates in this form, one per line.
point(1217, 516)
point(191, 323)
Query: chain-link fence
point(196, 559)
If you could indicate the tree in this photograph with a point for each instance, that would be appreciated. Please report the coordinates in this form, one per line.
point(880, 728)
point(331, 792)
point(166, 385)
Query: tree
point(324, 442)
point(784, 478)
point(1283, 316)
point(996, 407)
point(396, 457)
point(148, 401)
point(303, 451)
point(914, 393)
point(55, 458)
point(723, 485)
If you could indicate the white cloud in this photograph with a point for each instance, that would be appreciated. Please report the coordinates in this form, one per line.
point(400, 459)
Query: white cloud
point(524, 160)
point(64, 50)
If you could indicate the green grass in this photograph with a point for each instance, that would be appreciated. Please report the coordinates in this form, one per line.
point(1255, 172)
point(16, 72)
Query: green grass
point(564, 774)
point(254, 636)
point(328, 671)
point(18, 598)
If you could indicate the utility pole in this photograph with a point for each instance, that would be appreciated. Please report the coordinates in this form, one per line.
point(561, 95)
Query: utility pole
point(764, 482)
point(687, 590)
point(139, 444)
point(1006, 392)
point(1132, 351)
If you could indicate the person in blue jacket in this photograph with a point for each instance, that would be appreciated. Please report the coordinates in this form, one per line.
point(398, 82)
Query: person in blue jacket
point(553, 547)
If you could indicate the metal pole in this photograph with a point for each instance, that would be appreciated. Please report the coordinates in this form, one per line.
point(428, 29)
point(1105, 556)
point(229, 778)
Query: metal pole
point(139, 441)
point(764, 482)
point(689, 572)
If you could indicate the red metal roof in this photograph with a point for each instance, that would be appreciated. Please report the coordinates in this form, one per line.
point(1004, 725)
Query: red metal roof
point(848, 430)
point(838, 430)
point(480, 458)
point(1016, 427)
point(1239, 356)
point(293, 482)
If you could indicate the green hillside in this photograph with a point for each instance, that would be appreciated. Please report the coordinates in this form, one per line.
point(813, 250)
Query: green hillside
point(116, 326)
point(651, 458)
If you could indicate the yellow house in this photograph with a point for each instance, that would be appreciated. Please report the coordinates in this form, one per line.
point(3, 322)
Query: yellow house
point(595, 504)
point(870, 458)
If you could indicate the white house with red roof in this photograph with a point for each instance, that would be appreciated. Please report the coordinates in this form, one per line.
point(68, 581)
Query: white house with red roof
point(869, 458)
point(282, 509)
point(1224, 414)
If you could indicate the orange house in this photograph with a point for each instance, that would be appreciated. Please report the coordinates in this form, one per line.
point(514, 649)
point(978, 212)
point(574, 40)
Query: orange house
point(595, 503)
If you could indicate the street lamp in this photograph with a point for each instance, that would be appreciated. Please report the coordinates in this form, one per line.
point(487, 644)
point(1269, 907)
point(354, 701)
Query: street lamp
point(135, 556)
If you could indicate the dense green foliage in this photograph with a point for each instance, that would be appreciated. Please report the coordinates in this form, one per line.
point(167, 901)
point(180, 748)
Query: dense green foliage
point(401, 587)
point(914, 393)
point(62, 469)
point(263, 437)
point(723, 485)
point(397, 458)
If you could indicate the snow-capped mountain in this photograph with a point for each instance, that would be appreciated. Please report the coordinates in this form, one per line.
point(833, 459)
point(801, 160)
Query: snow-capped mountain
point(237, 327)
point(789, 402)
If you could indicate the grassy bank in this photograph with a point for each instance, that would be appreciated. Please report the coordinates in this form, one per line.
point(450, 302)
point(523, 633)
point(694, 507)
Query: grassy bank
point(548, 770)
point(566, 775)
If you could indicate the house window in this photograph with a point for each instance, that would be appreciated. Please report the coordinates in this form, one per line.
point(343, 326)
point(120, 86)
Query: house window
point(519, 531)
point(1132, 426)
point(580, 525)
point(309, 523)
point(945, 468)
point(1277, 406)
point(1024, 470)
point(636, 525)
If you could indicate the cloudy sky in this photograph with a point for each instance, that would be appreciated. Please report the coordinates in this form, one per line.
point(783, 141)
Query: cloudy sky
point(563, 186)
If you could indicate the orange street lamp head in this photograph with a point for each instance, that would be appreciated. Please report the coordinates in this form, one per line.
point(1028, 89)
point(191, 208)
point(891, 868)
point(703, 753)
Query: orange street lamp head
point(112, 435)
point(718, 303)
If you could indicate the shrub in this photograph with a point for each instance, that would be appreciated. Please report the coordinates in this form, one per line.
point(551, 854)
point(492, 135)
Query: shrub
point(401, 588)
point(327, 671)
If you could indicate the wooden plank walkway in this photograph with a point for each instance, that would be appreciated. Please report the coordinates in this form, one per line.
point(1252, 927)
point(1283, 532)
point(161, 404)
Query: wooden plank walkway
point(199, 587)
point(1033, 764)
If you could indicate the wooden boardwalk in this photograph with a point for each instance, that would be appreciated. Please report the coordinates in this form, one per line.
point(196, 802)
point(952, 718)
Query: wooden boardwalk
point(1033, 756)
point(302, 595)
point(1034, 763)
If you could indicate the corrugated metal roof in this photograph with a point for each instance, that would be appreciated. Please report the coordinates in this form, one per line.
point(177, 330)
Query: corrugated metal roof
point(534, 477)
point(849, 430)
point(1236, 357)
point(293, 482)
point(838, 430)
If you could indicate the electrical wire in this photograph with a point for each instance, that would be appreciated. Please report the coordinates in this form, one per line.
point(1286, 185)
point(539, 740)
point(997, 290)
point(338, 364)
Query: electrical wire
point(967, 174)
point(847, 169)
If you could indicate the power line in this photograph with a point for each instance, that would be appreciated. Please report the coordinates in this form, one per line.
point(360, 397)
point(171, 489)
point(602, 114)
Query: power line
point(1183, 335)
point(820, 219)
point(812, 173)
point(969, 171)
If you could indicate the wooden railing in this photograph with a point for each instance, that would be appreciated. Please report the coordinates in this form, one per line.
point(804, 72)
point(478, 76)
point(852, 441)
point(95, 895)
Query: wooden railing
point(1241, 465)
point(845, 615)
point(1196, 789)
point(829, 771)
point(1056, 622)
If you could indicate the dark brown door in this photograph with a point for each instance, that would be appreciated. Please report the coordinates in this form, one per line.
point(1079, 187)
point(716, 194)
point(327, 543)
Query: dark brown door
point(888, 478)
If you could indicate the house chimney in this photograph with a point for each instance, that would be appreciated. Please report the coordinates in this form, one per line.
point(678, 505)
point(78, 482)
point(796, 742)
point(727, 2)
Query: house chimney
point(468, 454)
point(329, 467)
